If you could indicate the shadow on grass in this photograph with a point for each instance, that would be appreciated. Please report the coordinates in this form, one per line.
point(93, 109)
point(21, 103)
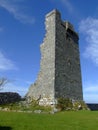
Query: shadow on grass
point(5, 128)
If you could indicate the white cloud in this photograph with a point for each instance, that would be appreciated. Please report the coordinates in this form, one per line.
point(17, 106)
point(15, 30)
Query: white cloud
point(5, 63)
point(89, 27)
point(13, 7)
point(15, 87)
point(68, 5)
point(91, 93)
point(91, 98)
point(92, 89)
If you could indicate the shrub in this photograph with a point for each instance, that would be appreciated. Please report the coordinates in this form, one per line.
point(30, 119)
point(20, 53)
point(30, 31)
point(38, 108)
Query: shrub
point(80, 105)
point(64, 104)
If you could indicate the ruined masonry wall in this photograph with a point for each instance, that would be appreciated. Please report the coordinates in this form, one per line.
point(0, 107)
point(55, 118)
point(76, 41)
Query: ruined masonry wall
point(68, 82)
point(44, 86)
point(60, 72)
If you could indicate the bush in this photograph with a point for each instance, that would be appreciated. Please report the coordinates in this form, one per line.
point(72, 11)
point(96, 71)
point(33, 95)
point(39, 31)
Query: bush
point(80, 105)
point(64, 104)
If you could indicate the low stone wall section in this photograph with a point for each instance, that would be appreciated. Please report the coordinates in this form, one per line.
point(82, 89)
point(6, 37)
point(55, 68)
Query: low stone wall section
point(93, 107)
point(9, 97)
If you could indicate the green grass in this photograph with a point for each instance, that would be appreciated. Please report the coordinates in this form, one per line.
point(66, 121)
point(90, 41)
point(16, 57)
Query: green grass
point(69, 120)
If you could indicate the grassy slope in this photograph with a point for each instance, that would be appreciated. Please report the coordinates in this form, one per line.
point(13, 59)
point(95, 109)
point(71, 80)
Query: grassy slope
point(81, 120)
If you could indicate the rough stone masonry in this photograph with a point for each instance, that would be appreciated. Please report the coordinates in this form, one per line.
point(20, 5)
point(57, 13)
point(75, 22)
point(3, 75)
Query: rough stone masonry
point(60, 72)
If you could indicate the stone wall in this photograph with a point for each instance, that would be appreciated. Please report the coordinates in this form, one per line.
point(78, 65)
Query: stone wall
point(60, 72)
point(93, 107)
point(44, 85)
point(9, 97)
point(68, 82)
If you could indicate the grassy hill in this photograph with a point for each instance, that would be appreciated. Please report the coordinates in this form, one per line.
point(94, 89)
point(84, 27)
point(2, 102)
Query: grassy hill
point(68, 120)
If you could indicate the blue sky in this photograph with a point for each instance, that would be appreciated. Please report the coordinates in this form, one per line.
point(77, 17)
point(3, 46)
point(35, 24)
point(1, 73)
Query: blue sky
point(22, 31)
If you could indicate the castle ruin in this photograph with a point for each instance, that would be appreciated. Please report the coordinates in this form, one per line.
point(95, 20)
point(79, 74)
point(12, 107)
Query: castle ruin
point(60, 71)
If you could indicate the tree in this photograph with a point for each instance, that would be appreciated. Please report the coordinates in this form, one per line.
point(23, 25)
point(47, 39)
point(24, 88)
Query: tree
point(3, 81)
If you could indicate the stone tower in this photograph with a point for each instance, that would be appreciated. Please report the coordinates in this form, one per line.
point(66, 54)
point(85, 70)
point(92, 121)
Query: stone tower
point(60, 72)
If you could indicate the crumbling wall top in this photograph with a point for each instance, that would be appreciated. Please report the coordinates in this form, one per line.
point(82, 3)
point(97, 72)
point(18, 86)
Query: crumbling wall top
point(55, 11)
point(68, 25)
